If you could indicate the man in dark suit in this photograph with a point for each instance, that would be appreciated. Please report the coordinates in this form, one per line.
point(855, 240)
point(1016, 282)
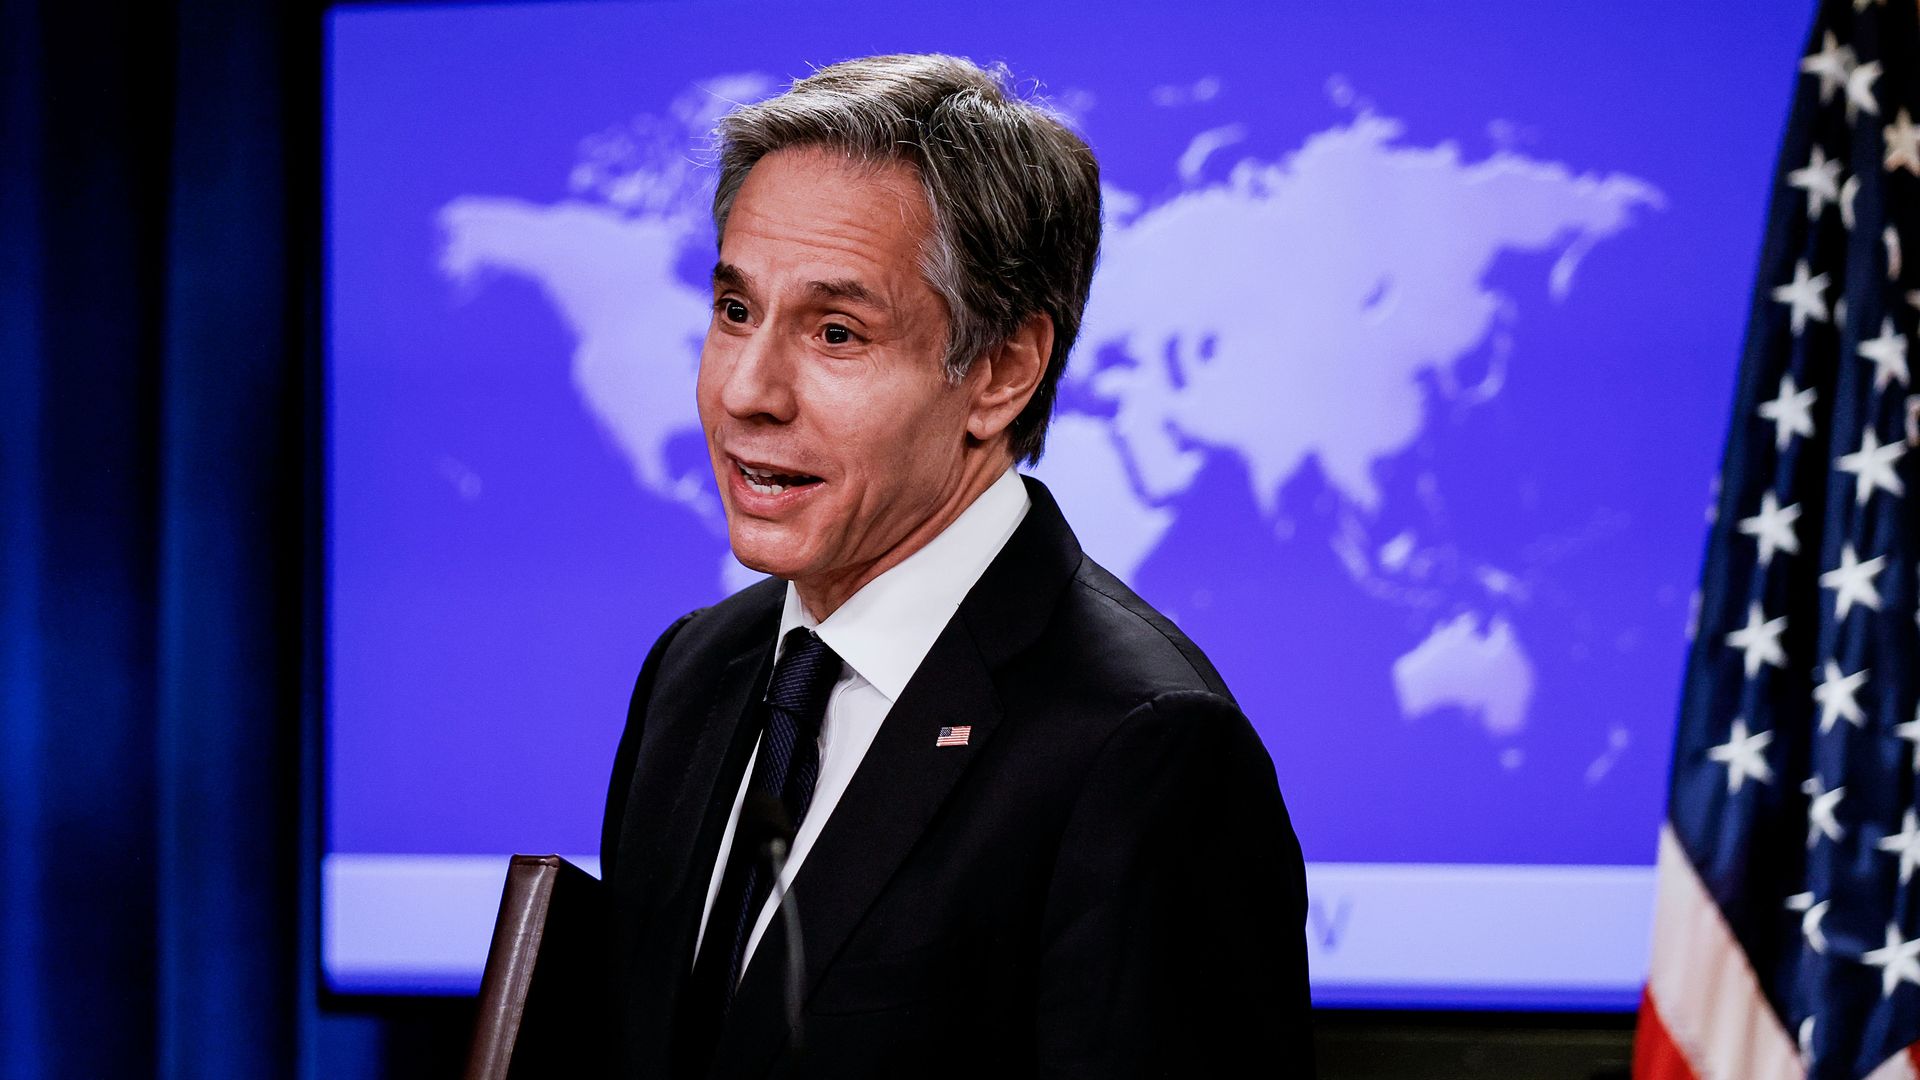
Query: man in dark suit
point(1029, 832)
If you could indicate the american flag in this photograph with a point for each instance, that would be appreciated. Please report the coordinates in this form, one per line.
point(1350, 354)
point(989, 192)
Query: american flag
point(954, 736)
point(1787, 921)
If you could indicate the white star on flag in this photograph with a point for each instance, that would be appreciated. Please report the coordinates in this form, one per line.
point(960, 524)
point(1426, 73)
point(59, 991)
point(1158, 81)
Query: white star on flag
point(1744, 755)
point(1852, 581)
point(1772, 527)
point(1820, 814)
point(1896, 960)
point(1872, 466)
point(1835, 696)
point(1759, 640)
point(1833, 63)
point(1811, 929)
point(1910, 731)
point(1903, 144)
point(1891, 238)
point(1849, 191)
point(1810, 916)
point(1805, 1042)
point(1906, 843)
point(1860, 97)
point(1820, 179)
point(1791, 412)
point(1888, 354)
point(1805, 294)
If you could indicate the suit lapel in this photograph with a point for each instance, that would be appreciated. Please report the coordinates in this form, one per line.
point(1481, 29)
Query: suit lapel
point(904, 778)
point(684, 858)
point(900, 784)
point(713, 776)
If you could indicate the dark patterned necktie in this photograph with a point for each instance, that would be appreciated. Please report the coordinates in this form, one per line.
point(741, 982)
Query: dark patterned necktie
point(785, 768)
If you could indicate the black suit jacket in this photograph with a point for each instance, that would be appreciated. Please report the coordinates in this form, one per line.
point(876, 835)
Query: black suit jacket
point(1102, 883)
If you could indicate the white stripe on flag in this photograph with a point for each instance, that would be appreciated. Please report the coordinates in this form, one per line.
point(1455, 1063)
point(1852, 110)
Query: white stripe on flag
point(1703, 986)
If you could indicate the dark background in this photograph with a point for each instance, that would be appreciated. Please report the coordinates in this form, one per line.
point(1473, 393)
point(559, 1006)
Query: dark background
point(159, 610)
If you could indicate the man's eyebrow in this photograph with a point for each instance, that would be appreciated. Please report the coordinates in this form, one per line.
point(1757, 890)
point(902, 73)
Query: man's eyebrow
point(727, 275)
point(847, 289)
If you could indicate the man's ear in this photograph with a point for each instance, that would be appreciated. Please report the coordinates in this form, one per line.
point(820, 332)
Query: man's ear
point(1005, 379)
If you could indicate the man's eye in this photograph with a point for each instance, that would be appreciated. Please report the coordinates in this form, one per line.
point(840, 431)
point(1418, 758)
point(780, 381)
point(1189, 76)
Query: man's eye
point(733, 311)
point(837, 335)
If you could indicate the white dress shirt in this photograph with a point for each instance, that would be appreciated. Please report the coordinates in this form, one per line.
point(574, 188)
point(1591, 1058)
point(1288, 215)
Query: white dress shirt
point(881, 634)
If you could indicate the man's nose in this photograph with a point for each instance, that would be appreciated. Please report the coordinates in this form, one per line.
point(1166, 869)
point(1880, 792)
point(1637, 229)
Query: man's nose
point(759, 382)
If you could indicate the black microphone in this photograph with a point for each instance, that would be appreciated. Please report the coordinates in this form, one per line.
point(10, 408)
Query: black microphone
point(764, 821)
point(765, 824)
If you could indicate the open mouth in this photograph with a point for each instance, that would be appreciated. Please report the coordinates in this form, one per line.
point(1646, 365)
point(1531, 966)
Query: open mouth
point(768, 482)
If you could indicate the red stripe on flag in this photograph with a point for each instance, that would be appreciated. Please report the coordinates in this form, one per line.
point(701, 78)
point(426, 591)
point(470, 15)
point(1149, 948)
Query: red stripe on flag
point(1913, 1055)
point(1655, 1055)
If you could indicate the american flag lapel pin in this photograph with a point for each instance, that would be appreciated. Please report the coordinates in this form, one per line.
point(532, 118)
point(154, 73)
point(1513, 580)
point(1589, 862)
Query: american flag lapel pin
point(954, 736)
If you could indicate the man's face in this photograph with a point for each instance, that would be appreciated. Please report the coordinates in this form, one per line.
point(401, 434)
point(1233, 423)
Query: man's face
point(832, 428)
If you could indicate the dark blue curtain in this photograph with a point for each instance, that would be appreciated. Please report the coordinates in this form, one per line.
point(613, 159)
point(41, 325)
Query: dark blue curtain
point(158, 232)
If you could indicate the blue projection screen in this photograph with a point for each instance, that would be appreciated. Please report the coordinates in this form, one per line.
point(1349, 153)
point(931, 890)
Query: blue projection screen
point(1401, 390)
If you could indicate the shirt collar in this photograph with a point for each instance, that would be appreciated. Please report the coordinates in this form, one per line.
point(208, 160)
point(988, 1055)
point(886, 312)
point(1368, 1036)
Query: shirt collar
point(885, 630)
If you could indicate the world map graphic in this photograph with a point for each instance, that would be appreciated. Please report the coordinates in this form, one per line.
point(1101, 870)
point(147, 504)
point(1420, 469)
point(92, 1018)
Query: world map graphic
point(1309, 310)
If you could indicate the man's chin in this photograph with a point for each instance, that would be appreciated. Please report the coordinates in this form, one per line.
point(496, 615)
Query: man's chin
point(775, 556)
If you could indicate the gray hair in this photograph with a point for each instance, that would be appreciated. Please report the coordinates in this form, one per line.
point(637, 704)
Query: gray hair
point(1015, 194)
